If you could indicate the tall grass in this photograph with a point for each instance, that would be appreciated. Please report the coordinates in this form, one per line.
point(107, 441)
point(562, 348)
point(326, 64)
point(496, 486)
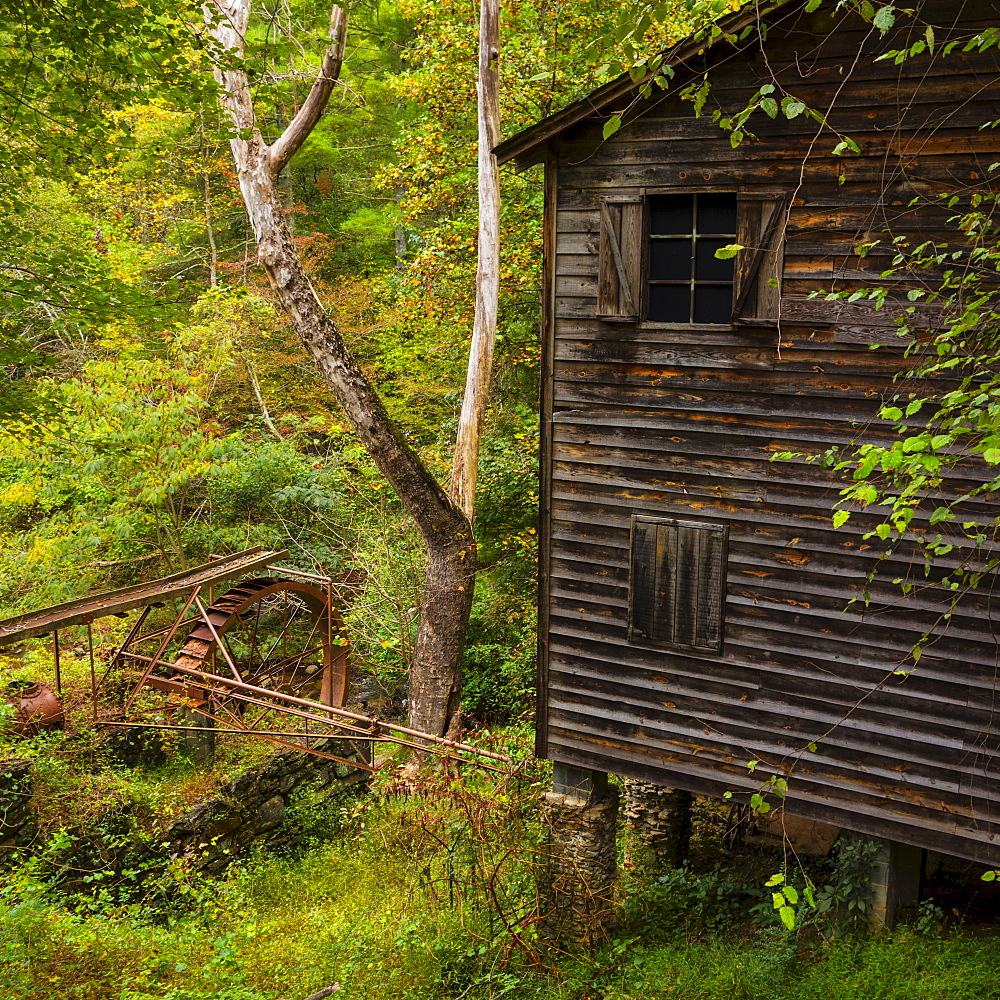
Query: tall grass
point(419, 894)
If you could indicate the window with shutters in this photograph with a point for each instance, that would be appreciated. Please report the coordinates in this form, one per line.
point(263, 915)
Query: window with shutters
point(658, 262)
point(677, 584)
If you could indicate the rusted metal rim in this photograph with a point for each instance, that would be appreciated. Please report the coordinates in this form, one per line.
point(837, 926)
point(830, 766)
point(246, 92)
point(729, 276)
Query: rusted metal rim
point(227, 611)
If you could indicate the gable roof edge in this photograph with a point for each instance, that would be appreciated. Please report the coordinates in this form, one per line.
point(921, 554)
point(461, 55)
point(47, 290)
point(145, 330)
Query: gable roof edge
point(528, 145)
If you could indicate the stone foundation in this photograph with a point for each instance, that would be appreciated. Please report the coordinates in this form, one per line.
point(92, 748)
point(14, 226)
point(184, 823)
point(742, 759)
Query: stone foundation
point(660, 818)
point(895, 883)
point(577, 866)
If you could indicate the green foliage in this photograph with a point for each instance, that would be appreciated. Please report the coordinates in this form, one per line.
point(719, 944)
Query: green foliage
point(906, 477)
point(425, 897)
point(683, 903)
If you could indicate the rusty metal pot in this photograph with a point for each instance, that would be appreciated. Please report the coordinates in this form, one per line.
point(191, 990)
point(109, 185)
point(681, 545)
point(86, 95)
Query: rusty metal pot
point(35, 707)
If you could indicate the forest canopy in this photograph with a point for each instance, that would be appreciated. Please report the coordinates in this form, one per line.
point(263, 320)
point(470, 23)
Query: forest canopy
point(156, 405)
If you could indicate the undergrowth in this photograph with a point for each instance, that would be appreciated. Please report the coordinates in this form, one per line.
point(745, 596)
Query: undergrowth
point(424, 890)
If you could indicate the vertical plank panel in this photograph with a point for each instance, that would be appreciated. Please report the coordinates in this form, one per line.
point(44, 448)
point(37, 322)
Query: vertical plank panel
point(644, 585)
point(632, 251)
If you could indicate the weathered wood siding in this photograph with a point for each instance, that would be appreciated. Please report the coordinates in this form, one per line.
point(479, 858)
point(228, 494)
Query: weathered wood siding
point(682, 423)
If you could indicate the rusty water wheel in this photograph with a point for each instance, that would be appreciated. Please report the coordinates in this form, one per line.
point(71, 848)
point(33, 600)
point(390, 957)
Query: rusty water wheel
point(279, 634)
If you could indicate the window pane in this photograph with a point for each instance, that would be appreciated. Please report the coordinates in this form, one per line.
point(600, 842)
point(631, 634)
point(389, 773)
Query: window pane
point(671, 214)
point(708, 267)
point(670, 303)
point(717, 214)
point(713, 303)
point(670, 260)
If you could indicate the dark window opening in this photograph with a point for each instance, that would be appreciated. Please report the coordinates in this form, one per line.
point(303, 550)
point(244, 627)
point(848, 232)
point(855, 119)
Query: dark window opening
point(687, 283)
point(677, 586)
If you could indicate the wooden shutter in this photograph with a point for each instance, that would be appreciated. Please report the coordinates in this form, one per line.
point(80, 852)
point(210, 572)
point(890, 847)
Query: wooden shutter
point(678, 583)
point(620, 259)
point(761, 230)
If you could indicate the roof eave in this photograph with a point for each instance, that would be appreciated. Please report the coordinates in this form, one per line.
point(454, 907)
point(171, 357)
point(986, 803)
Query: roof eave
point(529, 146)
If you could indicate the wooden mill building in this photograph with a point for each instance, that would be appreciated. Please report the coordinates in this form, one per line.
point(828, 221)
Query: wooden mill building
point(696, 599)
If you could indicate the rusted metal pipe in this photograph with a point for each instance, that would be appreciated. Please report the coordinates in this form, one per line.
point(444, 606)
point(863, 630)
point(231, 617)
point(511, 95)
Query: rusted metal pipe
point(303, 574)
point(57, 662)
point(331, 709)
point(267, 734)
point(93, 668)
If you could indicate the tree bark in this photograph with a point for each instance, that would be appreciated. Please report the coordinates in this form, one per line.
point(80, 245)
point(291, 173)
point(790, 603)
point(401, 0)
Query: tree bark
point(477, 381)
point(435, 671)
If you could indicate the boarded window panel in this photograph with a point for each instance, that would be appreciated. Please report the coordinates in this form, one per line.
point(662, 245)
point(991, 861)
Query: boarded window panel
point(620, 259)
point(677, 586)
point(643, 590)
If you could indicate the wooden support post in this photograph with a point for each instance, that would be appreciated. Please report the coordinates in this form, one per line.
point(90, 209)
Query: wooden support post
point(578, 863)
point(896, 878)
point(197, 739)
point(58, 662)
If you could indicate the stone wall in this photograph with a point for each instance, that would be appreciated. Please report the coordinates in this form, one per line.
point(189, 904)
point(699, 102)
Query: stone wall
point(253, 809)
point(17, 822)
point(660, 818)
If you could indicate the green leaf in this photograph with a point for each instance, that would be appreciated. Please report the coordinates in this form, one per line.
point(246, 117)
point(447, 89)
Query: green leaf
point(769, 106)
point(885, 19)
point(840, 517)
point(787, 915)
point(727, 252)
point(611, 126)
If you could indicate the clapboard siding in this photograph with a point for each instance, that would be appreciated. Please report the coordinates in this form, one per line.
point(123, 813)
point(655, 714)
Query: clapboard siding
point(684, 422)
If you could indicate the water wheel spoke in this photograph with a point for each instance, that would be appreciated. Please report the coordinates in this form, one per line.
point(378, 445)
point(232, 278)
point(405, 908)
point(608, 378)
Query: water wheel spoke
point(253, 638)
point(266, 630)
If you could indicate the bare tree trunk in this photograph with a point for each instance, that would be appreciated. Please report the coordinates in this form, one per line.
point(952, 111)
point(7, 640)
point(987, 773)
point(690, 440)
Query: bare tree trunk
point(477, 381)
point(259, 396)
point(213, 259)
point(435, 671)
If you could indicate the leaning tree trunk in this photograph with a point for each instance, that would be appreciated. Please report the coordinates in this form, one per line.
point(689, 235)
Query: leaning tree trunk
point(435, 671)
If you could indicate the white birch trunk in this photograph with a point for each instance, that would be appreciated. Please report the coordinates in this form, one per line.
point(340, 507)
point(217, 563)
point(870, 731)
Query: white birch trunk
point(477, 381)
